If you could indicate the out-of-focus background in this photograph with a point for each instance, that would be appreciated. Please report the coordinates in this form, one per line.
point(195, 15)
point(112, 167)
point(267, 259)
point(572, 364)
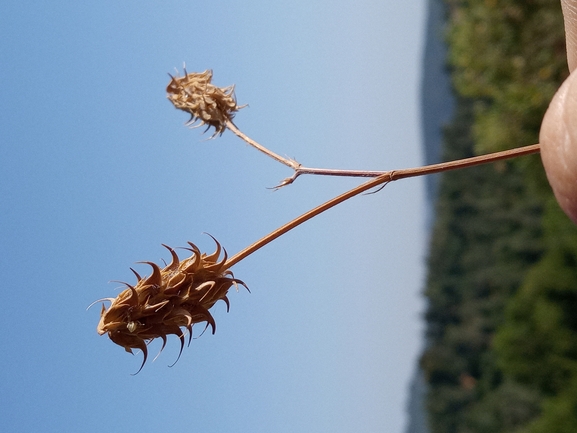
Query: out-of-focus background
point(501, 286)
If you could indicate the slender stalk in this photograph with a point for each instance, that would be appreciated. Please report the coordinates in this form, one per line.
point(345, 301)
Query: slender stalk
point(399, 174)
point(466, 162)
point(384, 178)
point(381, 179)
point(286, 161)
point(419, 171)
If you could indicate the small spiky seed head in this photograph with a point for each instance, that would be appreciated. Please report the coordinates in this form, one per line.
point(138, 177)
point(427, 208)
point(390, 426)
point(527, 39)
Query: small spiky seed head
point(168, 301)
point(206, 103)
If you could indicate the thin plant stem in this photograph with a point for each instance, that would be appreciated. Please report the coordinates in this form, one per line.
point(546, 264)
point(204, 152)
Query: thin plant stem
point(465, 162)
point(286, 161)
point(382, 179)
point(399, 174)
point(419, 171)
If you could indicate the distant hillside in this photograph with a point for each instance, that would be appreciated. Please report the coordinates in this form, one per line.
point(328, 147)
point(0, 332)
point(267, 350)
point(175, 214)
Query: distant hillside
point(501, 352)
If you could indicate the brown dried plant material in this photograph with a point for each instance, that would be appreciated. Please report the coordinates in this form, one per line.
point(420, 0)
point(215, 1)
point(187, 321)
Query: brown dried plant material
point(206, 103)
point(169, 301)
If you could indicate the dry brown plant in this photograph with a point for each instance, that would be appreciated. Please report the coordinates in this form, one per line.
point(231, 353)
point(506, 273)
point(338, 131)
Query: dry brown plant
point(169, 300)
point(173, 299)
point(216, 107)
point(206, 103)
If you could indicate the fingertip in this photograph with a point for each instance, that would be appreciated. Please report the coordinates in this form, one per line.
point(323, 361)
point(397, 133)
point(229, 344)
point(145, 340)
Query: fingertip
point(558, 139)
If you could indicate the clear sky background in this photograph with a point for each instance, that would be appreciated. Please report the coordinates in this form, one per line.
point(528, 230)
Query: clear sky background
point(97, 170)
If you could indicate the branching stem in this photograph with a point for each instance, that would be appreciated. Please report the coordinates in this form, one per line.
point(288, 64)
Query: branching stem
point(382, 179)
point(399, 174)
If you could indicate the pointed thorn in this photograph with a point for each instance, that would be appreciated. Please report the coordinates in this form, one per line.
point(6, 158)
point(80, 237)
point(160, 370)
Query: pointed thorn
point(154, 278)
point(100, 300)
point(175, 260)
point(145, 353)
point(181, 337)
point(138, 277)
point(162, 348)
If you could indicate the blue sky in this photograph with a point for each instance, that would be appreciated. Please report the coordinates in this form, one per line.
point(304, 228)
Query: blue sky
point(97, 170)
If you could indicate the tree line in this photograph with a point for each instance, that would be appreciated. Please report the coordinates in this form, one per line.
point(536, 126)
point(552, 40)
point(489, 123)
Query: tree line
point(501, 351)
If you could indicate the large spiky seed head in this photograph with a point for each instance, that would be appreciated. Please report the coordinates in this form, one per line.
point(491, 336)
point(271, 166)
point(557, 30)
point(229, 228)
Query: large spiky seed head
point(206, 103)
point(169, 301)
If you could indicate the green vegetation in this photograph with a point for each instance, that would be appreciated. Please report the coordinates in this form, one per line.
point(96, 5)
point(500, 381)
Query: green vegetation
point(510, 57)
point(502, 282)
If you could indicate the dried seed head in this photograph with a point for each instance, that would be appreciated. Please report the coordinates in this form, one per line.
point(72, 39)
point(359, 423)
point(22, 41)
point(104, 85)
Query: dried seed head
point(206, 103)
point(169, 301)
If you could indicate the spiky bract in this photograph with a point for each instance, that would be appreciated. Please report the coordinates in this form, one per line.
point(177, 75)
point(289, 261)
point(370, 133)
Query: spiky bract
point(169, 301)
point(206, 103)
